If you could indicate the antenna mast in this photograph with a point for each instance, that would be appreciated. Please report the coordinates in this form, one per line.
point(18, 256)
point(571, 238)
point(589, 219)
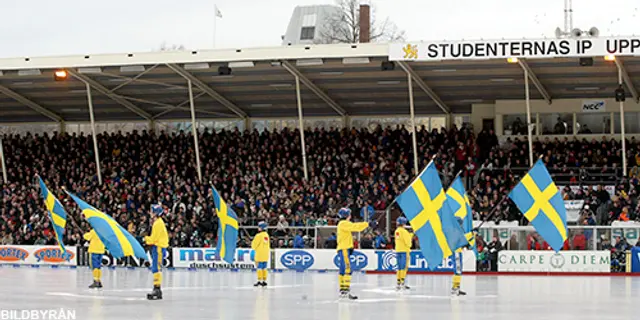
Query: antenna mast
point(568, 16)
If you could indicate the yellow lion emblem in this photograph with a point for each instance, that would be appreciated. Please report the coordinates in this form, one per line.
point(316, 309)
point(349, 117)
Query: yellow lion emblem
point(410, 51)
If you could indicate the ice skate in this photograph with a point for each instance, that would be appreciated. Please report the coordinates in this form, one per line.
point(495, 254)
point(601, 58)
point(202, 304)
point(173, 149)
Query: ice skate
point(156, 294)
point(258, 284)
point(264, 284)
point(457, 292)
point(402, 286)
point(96, 285)
point(346, 295)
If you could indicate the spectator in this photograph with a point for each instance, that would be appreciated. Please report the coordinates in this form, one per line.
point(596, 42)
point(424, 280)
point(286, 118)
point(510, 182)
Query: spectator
point(367, 242)
point(332, 242)
point(493, 249)
point(380, 241)
point(298, 241)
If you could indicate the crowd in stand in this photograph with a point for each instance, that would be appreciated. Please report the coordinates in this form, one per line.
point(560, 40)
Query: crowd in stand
point(261, 176)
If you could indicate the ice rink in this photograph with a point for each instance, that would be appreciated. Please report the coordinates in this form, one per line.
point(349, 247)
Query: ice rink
point(230, 295)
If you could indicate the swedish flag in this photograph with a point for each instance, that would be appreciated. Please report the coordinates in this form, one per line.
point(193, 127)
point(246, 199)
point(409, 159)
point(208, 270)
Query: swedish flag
point(115, 238)
point(459, 203)
point(539, 199)
point(425, 206)
point(57, 214)
point(227, 229)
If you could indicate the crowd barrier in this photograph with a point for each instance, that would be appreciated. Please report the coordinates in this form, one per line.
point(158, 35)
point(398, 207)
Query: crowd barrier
point(374, 261)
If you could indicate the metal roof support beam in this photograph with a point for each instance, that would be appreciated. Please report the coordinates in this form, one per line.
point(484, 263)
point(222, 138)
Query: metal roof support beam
point(414, 75)
point(130, 80)
point(115, 97)
point(179, 106)
point(627, 79)
point(40, 109)
point(204, 87)
point(536, 82)
point(319, 92)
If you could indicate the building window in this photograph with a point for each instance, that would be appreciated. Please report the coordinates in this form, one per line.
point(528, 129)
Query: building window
point(307, 33)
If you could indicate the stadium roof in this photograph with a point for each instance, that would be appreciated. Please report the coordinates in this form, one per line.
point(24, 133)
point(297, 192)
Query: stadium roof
point(335, 80)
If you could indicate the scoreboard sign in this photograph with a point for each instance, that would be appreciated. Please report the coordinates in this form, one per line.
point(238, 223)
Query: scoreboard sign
point(503, 49)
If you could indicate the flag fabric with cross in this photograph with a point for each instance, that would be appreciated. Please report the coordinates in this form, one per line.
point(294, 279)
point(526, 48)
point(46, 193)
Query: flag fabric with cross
point(539, 199)
point(425, 206)
point(459, 203)
point(115, 238)
point(227, 229)
point(57, 214)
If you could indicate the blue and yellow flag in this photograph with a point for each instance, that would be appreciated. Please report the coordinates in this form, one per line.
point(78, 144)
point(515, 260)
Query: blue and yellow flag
point(539, 199)
point(459, 203)
point(57, 214)
point(425, 206)
point(227, 229)
point(115, 238)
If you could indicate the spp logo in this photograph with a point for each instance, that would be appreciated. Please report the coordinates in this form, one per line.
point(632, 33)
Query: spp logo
point(53, 255)
point(359, 260)
point(12, 254)
point(297, 260)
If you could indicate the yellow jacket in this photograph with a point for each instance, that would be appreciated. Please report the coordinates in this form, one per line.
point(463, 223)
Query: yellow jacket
point(345, 230)
point(95, 244)
point(261, 246)
point(159, 236)
point(403, 240)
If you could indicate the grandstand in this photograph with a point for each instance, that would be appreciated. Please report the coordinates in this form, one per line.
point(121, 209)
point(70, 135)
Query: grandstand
point(340, 86)
point(127, 130)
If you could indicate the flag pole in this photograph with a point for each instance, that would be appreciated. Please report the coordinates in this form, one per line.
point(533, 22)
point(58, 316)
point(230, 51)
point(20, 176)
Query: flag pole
point(388, 209)
point(215, 23)
point(37, 176)
point(504, 197)
point(68, 214)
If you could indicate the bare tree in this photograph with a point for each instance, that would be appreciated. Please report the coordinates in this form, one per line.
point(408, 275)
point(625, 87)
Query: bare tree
point(343, 26)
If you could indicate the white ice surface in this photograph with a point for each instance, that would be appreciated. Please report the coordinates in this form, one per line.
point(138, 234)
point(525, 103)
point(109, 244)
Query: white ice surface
point(301, 296)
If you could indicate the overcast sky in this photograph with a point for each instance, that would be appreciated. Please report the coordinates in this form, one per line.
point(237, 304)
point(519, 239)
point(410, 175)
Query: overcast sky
point(46, 27)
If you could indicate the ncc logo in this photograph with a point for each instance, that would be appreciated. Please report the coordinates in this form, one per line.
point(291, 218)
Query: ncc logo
point(358, 260)
point(297, 260)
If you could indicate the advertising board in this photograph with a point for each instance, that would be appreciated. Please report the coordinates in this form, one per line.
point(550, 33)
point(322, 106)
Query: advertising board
point(549, 261)
point(110, 261)
point(38, 255)
point(361, 260)
point(205, 258)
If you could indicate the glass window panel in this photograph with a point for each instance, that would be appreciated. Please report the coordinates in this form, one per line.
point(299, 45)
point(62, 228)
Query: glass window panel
point(556, 123)
point(593, 123)
point(631, 124)
point(515, 124)
point(438, 122)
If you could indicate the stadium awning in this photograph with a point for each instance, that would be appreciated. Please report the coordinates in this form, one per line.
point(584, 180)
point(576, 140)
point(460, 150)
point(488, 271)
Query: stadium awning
point(152, 86)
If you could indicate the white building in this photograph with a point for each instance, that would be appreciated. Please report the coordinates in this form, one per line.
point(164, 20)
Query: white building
point(307, 23)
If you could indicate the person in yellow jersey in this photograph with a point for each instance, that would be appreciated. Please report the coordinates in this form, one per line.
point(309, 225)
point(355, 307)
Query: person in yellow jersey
point(456, 259)
point(96, 250)
point(403, 249)
point(346, 228)
point(261, 247)
point(159, 241)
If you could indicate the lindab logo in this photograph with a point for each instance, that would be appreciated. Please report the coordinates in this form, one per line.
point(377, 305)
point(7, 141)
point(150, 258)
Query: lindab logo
point(53, 255)
point(12, 254)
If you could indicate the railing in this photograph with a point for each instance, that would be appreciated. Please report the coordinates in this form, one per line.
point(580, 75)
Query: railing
point(578, 237)
point(583, 176)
